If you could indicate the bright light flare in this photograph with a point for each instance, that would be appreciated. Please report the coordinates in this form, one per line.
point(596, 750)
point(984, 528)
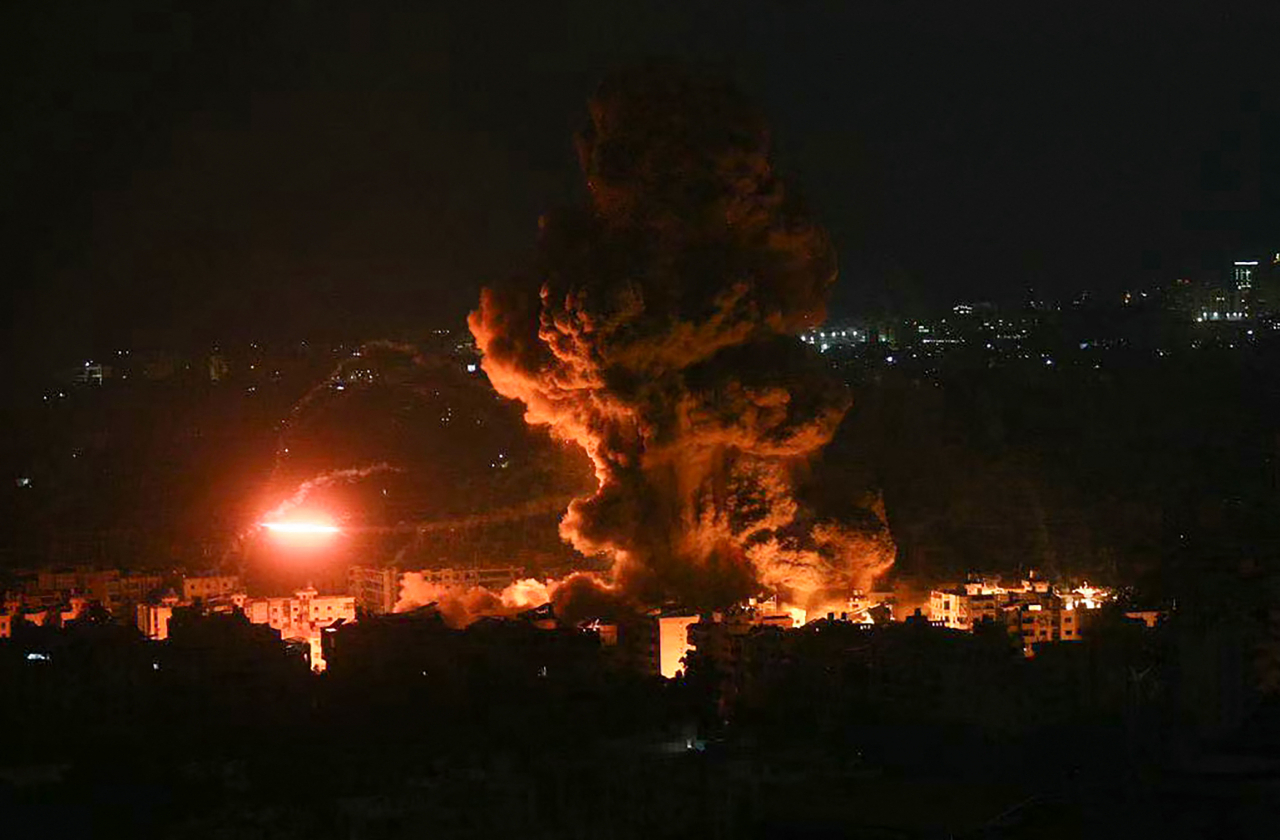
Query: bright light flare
point(301, 527)
point(308, 534)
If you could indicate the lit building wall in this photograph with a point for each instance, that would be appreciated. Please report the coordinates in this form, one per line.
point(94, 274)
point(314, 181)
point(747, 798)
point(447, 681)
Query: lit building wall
point(72, 610)
point(1033, 611)
point(302, 617)
point(153, 620)
point(326, 609)
point(209, 586)
point(944, 606)
point(673, 643)
point(1069, 625)
point(375, 589)
point(1150, 618)
point(495, 577)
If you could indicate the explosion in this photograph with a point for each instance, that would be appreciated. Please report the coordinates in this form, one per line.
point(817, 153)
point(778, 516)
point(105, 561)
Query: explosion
point(461, 606)
point(662, 340)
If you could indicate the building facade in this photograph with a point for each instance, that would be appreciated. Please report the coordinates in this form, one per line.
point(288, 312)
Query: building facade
point(375, 588)
point(1033, 611)
point(302, 617)
point(206, 587)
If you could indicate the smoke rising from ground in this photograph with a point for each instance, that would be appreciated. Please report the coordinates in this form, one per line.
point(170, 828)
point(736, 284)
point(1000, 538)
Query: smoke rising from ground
point(656, 329)
point(574, 598)
point(459, 606)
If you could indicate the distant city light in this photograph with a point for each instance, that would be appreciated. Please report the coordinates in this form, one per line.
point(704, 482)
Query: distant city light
point(1246, 262)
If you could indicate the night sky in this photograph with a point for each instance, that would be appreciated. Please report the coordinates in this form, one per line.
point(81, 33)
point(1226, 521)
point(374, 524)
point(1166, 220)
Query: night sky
point(176, 173)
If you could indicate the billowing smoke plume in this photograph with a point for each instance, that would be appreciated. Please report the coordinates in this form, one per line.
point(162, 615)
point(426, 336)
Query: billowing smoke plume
point(657, 330)
point(574, 598)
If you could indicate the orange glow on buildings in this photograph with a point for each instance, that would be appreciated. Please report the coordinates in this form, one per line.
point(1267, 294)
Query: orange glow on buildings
point(673, 643)
point(302, 617)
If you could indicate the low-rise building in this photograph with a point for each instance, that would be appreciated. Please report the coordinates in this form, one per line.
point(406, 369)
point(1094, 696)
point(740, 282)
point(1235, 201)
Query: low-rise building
point(492, 577)
point(118, 592)
point(209, 586)
point(302, 617)
point(375, 588)
point(1033, 610)
point(153, 617)
point(1150, 618)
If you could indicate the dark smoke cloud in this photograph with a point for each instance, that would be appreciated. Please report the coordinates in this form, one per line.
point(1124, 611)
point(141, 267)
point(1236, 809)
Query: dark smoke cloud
point(657, 330)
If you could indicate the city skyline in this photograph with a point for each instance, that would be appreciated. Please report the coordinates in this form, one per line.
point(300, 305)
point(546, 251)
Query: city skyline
point(250, 183)
point(612, 420)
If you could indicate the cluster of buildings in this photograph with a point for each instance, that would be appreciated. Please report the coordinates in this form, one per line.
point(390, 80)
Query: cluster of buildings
point(658, 643)
point(1248, 290)
point(52, 598)
point(1242, 296)
point(376, 589)
point(300, 617)
point(1033, 610)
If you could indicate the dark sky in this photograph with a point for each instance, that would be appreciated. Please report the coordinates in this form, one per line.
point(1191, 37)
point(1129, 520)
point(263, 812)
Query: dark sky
point(179, 172)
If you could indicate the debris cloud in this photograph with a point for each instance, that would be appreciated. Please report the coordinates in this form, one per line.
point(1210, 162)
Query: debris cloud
point(460, 606)
point(657, 329)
